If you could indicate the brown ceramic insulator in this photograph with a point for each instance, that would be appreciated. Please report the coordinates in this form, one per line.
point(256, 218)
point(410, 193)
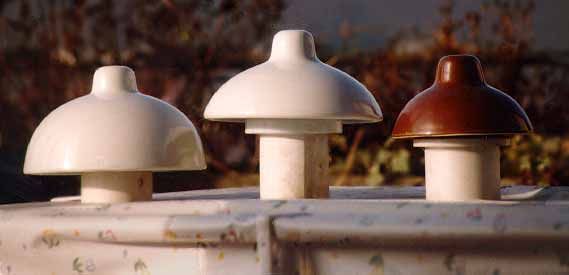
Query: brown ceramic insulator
point(461, 103)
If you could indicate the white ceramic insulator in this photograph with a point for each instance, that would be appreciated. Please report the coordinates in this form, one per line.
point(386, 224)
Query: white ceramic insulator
point(293, 46)
point(293, 156)
point(116, 187)
point(292, 126)
point(114, 80)
point(293, 166)
point(462, 169)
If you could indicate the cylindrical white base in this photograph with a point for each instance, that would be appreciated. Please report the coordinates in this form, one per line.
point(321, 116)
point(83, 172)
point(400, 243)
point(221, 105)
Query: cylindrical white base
point(293, 166)
point(462, 169)
point(116, 187)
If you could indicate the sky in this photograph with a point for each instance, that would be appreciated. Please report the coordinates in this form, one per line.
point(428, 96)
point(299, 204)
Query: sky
point(383, 18)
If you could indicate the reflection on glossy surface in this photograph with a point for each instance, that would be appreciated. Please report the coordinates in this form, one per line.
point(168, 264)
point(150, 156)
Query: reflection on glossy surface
point(114, 129)
point(293, 84)
point(461, 103)
point(460, 70)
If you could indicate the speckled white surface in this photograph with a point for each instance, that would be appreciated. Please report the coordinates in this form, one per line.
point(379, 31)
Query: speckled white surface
point(360, 230)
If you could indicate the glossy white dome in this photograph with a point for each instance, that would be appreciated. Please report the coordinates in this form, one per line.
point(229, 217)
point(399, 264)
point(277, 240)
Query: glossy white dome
point(293, 84)
point(114, 128)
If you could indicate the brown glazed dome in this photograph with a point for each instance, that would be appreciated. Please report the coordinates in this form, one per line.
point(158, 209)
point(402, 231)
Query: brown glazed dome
point(461, 103)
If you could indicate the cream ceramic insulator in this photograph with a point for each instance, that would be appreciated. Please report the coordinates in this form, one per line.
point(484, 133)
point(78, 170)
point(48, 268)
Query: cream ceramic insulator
point(293, 157)
point(293, 101)
point(114, 137)
point(462, 169)
point(116, 187)
point(295, 166)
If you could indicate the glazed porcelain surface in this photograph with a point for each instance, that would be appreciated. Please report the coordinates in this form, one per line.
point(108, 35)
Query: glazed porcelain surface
point(293, 84)
point(114, 128)
point(461, 103)
point(293, 101)
point(462, 169)
point(293, 166)
point(359, 230)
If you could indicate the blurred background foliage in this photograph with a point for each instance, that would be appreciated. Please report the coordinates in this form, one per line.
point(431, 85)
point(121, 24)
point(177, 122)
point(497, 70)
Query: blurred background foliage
point(182, 51)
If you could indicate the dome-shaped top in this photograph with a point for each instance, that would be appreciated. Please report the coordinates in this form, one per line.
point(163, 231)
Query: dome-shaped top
point(293, 84)
point(461, 103)
point(114, 128)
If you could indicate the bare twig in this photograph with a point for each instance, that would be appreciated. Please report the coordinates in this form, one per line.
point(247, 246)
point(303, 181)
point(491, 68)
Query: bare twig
point(351, 159)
